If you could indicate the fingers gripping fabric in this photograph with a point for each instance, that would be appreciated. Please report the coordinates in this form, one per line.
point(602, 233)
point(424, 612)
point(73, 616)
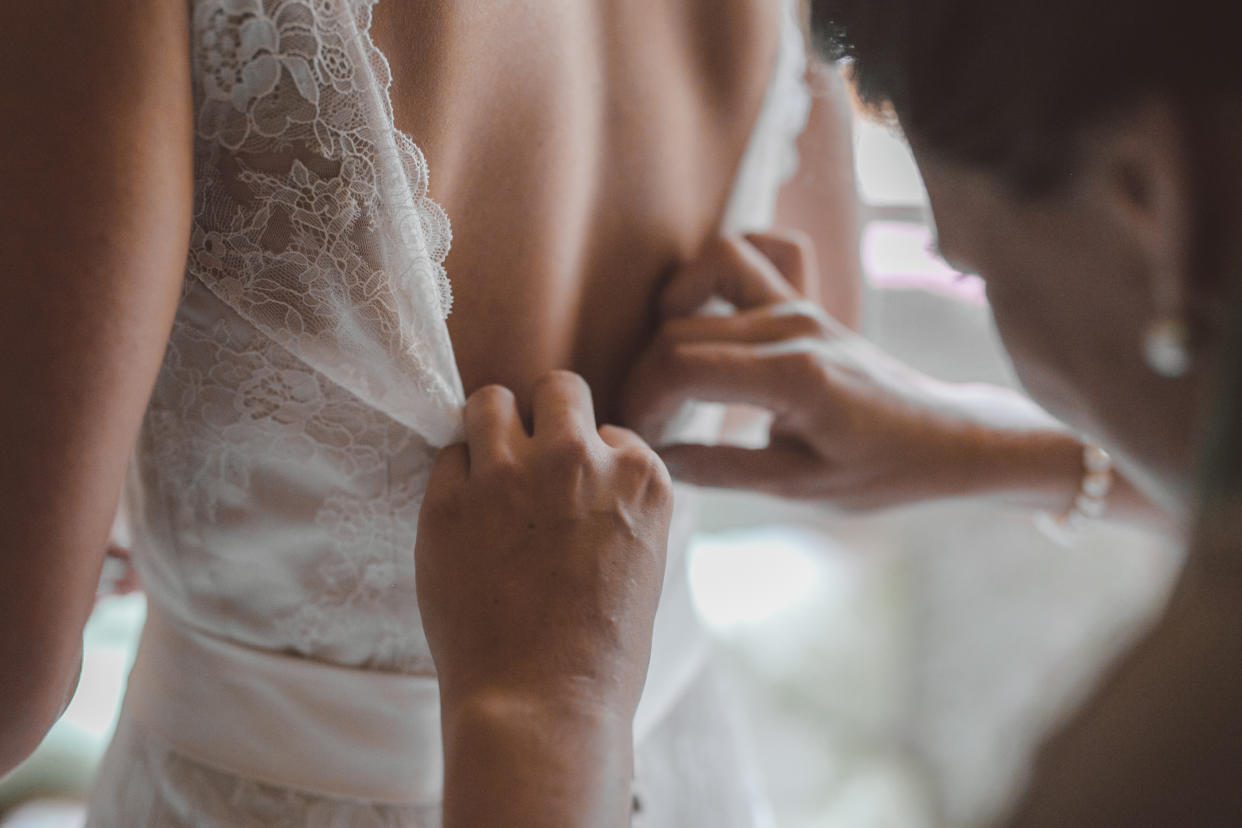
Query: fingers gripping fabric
point(308, 382)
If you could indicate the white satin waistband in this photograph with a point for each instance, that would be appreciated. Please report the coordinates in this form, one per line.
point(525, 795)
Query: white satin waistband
point(288, 721)
point(311, 726)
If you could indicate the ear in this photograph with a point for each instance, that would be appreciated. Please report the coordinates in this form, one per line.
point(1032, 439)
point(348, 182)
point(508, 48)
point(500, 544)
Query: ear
point(1139, 159)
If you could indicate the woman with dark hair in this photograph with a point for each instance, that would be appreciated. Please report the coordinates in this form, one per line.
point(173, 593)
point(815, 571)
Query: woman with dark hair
point(1083, 159)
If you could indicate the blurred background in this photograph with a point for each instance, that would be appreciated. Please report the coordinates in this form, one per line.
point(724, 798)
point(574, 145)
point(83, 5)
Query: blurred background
point(897, 670)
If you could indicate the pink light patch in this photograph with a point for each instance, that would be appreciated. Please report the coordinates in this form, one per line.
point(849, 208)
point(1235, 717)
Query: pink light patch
point(899, 255)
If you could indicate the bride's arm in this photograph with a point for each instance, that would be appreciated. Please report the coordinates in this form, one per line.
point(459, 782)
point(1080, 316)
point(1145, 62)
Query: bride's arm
point(95, 177)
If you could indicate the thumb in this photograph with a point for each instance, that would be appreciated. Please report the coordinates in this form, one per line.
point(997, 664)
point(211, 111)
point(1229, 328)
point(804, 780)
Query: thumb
point(777, 470)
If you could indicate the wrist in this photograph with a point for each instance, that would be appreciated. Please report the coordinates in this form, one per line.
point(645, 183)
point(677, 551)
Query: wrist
point(523, 759)
point(1000, 444)
point(1029, 460)
point(1037, 469)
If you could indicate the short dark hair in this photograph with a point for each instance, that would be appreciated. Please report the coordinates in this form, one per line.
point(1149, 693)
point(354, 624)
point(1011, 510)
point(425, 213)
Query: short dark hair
point(1004, 83)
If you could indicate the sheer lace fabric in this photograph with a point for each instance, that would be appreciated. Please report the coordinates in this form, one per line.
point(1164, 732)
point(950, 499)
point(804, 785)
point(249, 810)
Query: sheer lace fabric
point(312, 218)
point(307, 383)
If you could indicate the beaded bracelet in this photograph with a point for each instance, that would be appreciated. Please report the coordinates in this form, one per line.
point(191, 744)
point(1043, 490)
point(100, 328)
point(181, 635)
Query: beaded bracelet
point(1097, 482)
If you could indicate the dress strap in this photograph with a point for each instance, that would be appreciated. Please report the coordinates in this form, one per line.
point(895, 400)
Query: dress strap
point(771, 156)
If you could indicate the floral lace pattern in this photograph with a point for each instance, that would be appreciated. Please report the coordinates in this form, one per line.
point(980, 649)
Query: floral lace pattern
point(312, 216)
point(312, 224)
point(308, 380)
point(371, 567)
point(230, 406)
point(226, 402)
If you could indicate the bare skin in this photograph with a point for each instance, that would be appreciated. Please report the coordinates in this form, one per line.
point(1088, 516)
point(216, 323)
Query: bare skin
point(536, 687)
point(96, 169)
point(855, 429)
point(1074, 280)
point(1158, 743)
point(583, 151)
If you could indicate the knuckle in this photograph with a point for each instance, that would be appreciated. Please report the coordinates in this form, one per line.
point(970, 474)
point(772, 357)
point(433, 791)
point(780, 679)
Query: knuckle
point(559, 377)
point(660, 485)
point(803, 322)
point(642, 465)
point(542, 382)
point(802, 363)
point(609, 432)
point(622, 433)
point(489, 397)
point(505, 471)
point(567, 452)
point(634, 462)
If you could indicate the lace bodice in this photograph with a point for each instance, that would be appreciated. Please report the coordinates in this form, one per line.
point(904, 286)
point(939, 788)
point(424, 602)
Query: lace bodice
point(309, 378)
point(312, 219)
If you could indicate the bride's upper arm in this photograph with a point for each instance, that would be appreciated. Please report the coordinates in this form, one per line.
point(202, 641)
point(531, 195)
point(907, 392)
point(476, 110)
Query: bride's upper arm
point(96, 131)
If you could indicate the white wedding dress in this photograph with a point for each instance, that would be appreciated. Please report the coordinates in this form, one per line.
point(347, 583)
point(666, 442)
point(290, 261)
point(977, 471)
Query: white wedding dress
point(283, 678)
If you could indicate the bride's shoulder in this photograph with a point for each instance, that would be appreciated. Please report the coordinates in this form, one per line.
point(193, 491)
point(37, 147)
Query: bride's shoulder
point(100, 83)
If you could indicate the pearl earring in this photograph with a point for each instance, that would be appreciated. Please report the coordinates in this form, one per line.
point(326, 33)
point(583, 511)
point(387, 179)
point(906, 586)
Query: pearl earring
point(1166, 347)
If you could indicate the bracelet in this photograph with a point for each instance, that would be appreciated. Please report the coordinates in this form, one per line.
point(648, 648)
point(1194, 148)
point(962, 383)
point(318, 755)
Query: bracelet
point(1089, 504)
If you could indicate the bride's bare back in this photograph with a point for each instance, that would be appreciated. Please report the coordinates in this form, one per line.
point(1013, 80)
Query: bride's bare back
point(581, 151)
